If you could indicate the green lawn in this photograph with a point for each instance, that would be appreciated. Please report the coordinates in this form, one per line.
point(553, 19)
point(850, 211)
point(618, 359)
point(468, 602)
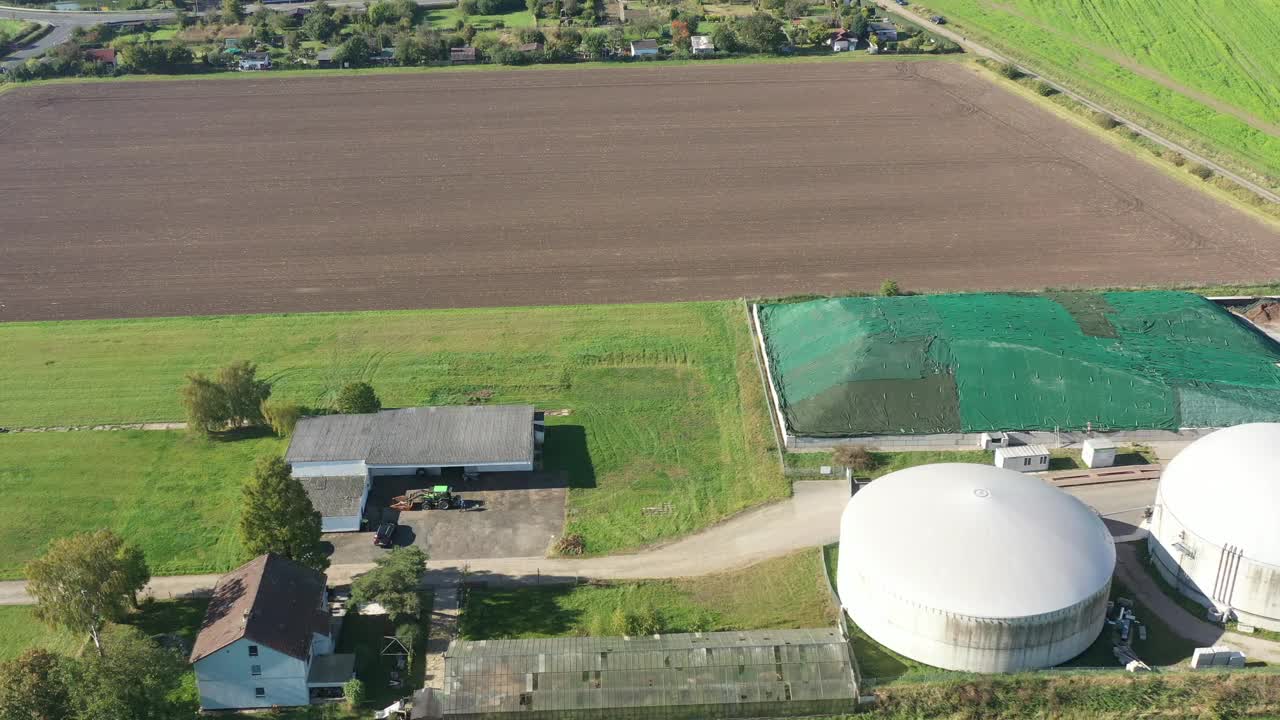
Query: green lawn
point(447, 19)
point(663, 405)
point(175, 495)
point(11, 28)
point(786, 592)
point(19, 628)
point(1167, 60)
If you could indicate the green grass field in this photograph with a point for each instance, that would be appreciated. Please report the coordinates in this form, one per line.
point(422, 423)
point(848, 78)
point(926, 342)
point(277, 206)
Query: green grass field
point(663, 405)
point(447, 19)
point(785, 592)
point(175, 495)
point(1206, 71)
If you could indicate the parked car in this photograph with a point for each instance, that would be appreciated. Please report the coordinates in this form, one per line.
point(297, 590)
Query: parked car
point(938, 20)
point(903, 3)
point(385, 535)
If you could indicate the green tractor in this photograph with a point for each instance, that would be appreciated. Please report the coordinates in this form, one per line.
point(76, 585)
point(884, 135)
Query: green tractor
point(439, 497)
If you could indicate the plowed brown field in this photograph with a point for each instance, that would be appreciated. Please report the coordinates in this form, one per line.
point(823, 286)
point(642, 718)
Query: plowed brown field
point(573, 186)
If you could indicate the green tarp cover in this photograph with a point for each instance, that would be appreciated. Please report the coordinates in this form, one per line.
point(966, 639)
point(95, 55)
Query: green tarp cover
point(977, 362)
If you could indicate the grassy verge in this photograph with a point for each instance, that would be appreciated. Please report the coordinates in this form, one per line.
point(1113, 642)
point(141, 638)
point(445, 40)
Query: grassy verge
point(660, 406)
point(488, 67)
point(175, 495)
point(786, 592)
point(20, 630)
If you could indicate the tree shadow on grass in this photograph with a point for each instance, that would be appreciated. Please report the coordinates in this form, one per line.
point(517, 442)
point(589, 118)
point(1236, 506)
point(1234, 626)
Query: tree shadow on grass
point(565, 449)
point(517, 612)
point(181, 617)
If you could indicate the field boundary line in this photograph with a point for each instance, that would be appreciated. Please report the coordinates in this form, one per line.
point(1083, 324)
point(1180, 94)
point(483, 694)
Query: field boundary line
point(984, 51)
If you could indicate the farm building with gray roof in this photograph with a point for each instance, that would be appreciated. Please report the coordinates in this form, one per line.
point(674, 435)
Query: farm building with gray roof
point(336, 457)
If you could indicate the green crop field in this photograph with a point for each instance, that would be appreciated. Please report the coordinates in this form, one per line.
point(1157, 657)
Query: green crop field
point(785, 592)
point(1207, 71)
point(658, 404)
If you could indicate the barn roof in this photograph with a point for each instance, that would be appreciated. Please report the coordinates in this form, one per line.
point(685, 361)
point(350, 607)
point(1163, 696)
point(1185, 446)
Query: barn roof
point(422, 436)
point(335, 496)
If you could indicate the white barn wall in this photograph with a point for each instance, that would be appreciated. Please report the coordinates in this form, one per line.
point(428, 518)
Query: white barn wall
point(333, 468)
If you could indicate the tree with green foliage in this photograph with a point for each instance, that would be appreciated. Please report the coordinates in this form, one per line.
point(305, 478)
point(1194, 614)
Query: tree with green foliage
point(232, 11)
point(858, 24)
point(394, 583)
point(277, 516)
point(596, 44)
point(760, 33)
point(357, 397)
point(409, 50)
point(205, 403)
point(134, 679)
point(319, 24)
point(724, 38)
point(244, 393)
point(889, 288)
point(84, 581)
point(353, 692)
point(534, 7)
point(133, 563)
point(352, 53)
point(33, 687)
point(153, 57)
point(233, 398)
point(282, 416)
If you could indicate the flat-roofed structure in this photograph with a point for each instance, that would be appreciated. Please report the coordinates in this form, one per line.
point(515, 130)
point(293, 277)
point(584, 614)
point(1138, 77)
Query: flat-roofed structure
point(761, 673)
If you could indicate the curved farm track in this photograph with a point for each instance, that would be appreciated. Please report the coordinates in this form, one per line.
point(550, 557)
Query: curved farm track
point(647, 183)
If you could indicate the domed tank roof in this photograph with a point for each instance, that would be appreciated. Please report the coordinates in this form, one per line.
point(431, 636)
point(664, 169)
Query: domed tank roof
point(1225, 488)
point(975, 540)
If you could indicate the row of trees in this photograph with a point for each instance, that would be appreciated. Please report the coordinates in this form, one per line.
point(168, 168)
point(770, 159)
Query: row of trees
point(235, 397)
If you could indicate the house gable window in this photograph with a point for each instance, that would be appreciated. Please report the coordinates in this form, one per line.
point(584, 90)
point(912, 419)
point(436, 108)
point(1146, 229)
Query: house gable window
point(253, 651)
point(255, 669)
point(259, 692)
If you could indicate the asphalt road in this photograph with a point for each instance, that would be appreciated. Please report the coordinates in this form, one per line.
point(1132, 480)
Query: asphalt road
point(63, 23)
point(810, 518)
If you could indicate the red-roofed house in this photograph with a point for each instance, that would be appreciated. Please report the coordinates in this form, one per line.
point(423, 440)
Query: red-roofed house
point(267, 638)
point(105, 56)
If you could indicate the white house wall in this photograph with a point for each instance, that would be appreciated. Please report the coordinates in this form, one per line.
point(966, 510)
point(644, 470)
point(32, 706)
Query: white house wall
point(227, 683)
point(384, 470)
point(332, 468)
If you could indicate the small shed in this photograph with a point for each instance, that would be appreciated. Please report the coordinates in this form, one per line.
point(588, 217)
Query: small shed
point(1099, 453)
point(324, 58)
point(701, 45)
point(462, 56)
point(102, 56)
point(1023, 458)
point(644, 48)
point(887, 32)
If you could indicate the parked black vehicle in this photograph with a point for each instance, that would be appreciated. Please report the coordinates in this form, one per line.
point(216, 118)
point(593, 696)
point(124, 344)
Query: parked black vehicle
point(385, 535)
point(938, 20)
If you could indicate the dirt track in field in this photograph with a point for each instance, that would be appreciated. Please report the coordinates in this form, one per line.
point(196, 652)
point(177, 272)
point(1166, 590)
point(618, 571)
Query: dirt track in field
point(575, 186)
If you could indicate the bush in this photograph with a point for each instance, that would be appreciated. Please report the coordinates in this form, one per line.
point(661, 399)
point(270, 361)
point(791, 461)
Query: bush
point(571, 544)
point(1200, 171)
point(1010, 71)
point(281, 416)
point(357, 397)
point(354, 693)
point(1044, 89)
point(1174, 157)
point(1104, 121)
point(889, 288)
point(234, 398)
point(854, 457)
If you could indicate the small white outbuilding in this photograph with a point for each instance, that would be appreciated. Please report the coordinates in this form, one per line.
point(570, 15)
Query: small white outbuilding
point(1023, 458)
point(1099, 453)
